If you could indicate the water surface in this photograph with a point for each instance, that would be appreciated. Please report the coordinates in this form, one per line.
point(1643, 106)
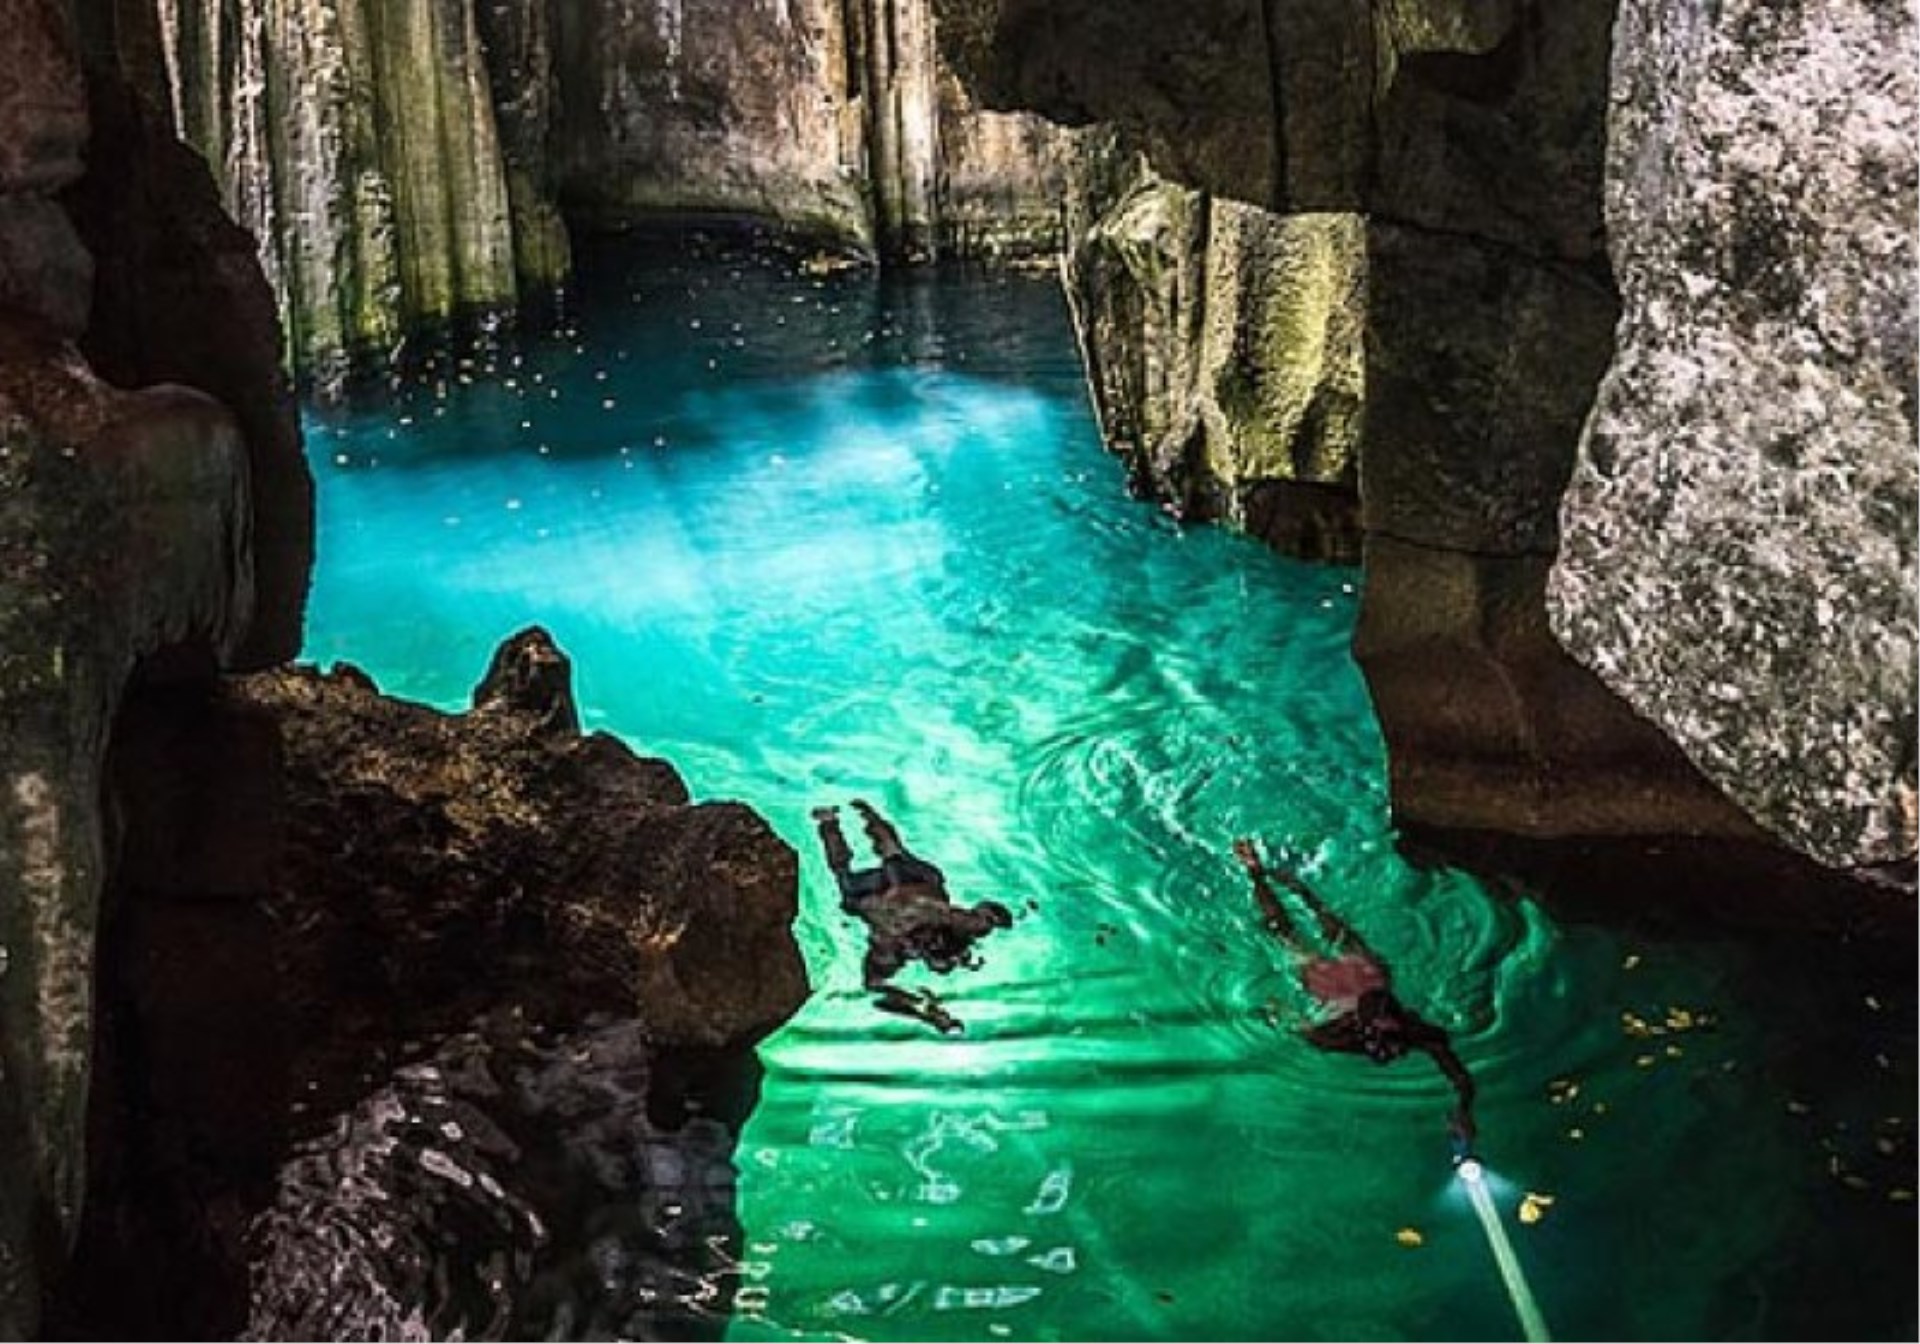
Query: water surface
point(814, 538)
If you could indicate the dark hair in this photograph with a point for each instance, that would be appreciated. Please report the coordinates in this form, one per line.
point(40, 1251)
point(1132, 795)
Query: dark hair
point(944, 947)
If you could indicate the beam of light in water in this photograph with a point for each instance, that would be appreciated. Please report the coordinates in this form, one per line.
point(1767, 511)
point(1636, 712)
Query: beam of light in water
point(1519, 1291)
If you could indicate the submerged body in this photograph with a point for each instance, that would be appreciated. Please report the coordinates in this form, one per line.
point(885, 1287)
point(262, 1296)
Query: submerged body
point(908, 914)
point(1352, 988)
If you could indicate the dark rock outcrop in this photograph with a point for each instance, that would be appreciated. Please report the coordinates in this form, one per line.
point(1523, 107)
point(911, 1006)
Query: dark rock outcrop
point(178, 297)
point(356, 880)
point(126, 550)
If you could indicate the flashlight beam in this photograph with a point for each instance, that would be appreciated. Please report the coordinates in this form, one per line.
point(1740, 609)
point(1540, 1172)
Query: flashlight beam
point(1532, 1324)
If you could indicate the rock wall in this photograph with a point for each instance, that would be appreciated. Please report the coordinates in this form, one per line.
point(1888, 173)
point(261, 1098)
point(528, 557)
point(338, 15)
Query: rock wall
point(406, 163)
point(711, 107)
point(1738, 561)
point(1382, 267)
point(1224, 349)
point(1738, 541)
point(127, 549)
point(356, 140)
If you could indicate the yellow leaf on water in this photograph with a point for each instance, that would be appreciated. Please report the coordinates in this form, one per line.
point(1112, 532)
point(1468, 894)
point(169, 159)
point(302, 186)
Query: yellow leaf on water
point(1409, 1237)
point(1530, 1212)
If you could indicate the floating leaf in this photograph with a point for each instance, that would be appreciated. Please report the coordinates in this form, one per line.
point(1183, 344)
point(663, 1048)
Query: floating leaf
point(1409, 1237)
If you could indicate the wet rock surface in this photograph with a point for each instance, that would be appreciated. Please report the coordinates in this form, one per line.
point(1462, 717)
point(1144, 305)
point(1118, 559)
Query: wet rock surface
point(123, 542)
point(510, 1184)
point(127, 551)
point(336, 892)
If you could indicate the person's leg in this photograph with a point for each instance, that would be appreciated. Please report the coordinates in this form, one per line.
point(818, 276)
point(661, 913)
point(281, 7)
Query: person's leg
point(886, 840)
point(921, 1006)
point(834, 841)
point(855, 888)
point(1338, 933)
point(910, 870)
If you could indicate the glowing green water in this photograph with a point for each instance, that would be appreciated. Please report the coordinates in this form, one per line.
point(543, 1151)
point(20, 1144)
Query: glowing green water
point(821, 539)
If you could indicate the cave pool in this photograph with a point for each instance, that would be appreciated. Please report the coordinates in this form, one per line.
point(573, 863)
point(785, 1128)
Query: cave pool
point(816, 537)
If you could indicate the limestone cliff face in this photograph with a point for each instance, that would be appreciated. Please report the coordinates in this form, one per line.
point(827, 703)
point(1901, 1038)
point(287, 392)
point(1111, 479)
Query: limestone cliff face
point(1738, 541)
point(1382, 267)
point(409, 162)
point(356, 140)
point(1223, 346)
point(706, 106)
point(1743, 509)
point(835, 119)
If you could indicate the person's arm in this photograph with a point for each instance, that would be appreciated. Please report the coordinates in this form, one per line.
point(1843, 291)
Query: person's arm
point(1439, 1047)
point(1273, 914)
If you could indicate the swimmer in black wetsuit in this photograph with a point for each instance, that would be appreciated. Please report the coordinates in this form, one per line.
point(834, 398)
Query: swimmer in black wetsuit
point(908, 914)
point(1359, 1014)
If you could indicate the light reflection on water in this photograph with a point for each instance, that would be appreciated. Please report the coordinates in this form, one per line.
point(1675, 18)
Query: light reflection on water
point(814, 540)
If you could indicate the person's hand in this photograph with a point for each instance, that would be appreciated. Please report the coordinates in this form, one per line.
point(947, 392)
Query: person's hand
point(824, 814)
point(1460, 1125)
point(1249, 857)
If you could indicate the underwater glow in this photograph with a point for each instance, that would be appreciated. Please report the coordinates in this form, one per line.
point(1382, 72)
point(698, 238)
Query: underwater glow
point(814, 539)
point(1532, 1324)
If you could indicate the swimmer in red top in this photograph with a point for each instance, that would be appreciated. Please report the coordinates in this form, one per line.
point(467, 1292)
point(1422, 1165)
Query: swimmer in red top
point(1355, 990)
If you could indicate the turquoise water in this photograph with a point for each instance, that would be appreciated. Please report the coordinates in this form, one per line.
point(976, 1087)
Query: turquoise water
point(819, 538)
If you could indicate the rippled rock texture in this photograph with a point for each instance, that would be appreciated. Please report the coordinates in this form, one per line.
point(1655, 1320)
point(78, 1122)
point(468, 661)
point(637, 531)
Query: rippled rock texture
point(1738, 552)
point(406, 164)
point(129, 552)
point(331, 885)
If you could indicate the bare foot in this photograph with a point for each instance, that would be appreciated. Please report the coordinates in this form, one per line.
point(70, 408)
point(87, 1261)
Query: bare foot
point(825, 814)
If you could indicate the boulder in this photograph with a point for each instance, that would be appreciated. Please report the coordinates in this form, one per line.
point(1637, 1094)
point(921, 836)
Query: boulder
point(1738, 542)
point(320, 890)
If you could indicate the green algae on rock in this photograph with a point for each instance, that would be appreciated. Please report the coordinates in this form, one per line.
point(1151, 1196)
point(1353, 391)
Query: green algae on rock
point(1223, 347)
